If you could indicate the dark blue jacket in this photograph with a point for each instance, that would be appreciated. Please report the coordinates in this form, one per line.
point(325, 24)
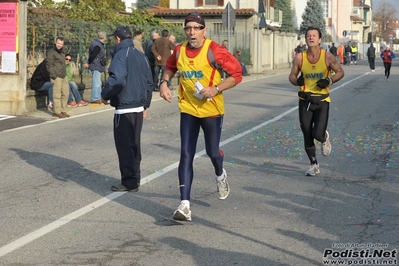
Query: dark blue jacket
point(148, 52)
point(130, 83)
point(95, 64)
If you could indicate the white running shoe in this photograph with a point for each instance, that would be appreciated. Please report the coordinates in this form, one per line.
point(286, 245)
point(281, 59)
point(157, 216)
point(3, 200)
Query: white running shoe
point(223, 186)
point(50, 107)
point(313, 170)
point(183, 213)
point(326, 146)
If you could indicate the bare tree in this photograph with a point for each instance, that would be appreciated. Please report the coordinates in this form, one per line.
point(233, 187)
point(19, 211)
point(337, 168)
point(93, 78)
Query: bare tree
point(385, 17)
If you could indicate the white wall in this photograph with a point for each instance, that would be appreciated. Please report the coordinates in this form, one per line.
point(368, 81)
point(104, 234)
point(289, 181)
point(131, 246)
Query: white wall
point(130, 4)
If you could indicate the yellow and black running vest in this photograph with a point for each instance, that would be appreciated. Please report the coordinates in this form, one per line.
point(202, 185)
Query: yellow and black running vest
point(193, 69)
point(313, 72)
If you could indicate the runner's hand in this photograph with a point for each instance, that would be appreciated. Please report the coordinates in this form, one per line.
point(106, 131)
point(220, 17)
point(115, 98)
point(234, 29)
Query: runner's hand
point(324, 83)
point(300, 81)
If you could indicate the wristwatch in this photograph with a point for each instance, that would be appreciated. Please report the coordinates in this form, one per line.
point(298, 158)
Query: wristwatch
point(163, 80)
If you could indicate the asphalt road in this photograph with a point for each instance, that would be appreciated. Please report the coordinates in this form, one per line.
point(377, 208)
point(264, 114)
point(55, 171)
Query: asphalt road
point(57, 207)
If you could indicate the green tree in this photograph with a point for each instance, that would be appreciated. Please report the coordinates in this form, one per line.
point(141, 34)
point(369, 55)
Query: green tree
point(114, 4)
point(145, 4)
point(384, 18)
point(288, 15)
point(313, 17)
point(142, 17)
point(41, 3)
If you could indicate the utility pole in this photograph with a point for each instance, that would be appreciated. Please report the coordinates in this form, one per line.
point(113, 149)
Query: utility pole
point(262, 24)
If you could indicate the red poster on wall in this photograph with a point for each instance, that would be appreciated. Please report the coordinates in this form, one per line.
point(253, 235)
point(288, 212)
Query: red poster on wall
point(8, 27)
point(8, 37)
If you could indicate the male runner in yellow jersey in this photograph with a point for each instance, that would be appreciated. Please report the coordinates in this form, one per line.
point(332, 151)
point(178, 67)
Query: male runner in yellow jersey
point(200, 62)
point(315, 65)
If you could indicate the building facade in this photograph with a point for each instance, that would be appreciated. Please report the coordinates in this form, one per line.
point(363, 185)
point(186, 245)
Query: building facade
point(352, 18)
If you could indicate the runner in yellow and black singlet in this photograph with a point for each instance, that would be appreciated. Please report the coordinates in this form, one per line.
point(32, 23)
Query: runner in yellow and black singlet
point(314, 66)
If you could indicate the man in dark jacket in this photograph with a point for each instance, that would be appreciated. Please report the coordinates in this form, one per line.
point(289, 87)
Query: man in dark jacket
point(301, 47)
point(333, 50)
point(371, 57)
point(162, 50)
point(96, 63)
point(348, 52)
point(40, 81)
point(56, 67)
point(148, 52)
point(129, 88)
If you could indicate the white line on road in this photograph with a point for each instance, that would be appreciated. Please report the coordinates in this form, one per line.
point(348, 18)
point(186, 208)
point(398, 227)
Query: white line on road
point(4, 117)
point(74, 215)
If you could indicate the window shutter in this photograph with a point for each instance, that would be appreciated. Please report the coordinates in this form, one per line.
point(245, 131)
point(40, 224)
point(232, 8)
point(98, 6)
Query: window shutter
point(220, 2)
point(200, 2)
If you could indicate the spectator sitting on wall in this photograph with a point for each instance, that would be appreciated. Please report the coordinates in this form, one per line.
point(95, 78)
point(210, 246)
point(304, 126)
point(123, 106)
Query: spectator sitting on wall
point(73, 88)
point(40, 81)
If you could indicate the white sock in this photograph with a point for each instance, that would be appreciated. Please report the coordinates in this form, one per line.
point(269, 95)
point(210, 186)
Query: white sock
point(186, 203)
point(219, 178)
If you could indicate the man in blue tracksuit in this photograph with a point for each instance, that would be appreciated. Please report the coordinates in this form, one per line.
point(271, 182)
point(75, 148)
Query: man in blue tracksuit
point(129, 88)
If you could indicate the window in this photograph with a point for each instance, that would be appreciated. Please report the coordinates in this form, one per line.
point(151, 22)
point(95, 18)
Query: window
point(355, 11)
point(218, 29)
point(324, 5)
point(210, 2)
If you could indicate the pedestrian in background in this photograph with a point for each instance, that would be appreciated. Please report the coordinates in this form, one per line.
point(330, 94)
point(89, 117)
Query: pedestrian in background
point(353, 54)
point(96, 63)
point(129, 88)
point(348, 51)
point(225, 44)
point(172, 38)
point(333, 50)
point(301, 47)
point(148, 52)
point(73, 88)
point(314, 94)
point(201, 103)
point(137, 40)
point(341, 53)
point(162, 50)
point(371, 57)
point(387, 55)
point(56, 67)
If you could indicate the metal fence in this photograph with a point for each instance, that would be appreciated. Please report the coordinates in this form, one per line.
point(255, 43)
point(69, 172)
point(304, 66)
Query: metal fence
point(78, 35)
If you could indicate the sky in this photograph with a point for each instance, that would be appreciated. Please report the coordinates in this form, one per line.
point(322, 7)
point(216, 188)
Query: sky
point(395, 3)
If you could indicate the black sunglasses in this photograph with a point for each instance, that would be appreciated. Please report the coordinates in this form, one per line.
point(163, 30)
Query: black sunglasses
point(195, 28)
